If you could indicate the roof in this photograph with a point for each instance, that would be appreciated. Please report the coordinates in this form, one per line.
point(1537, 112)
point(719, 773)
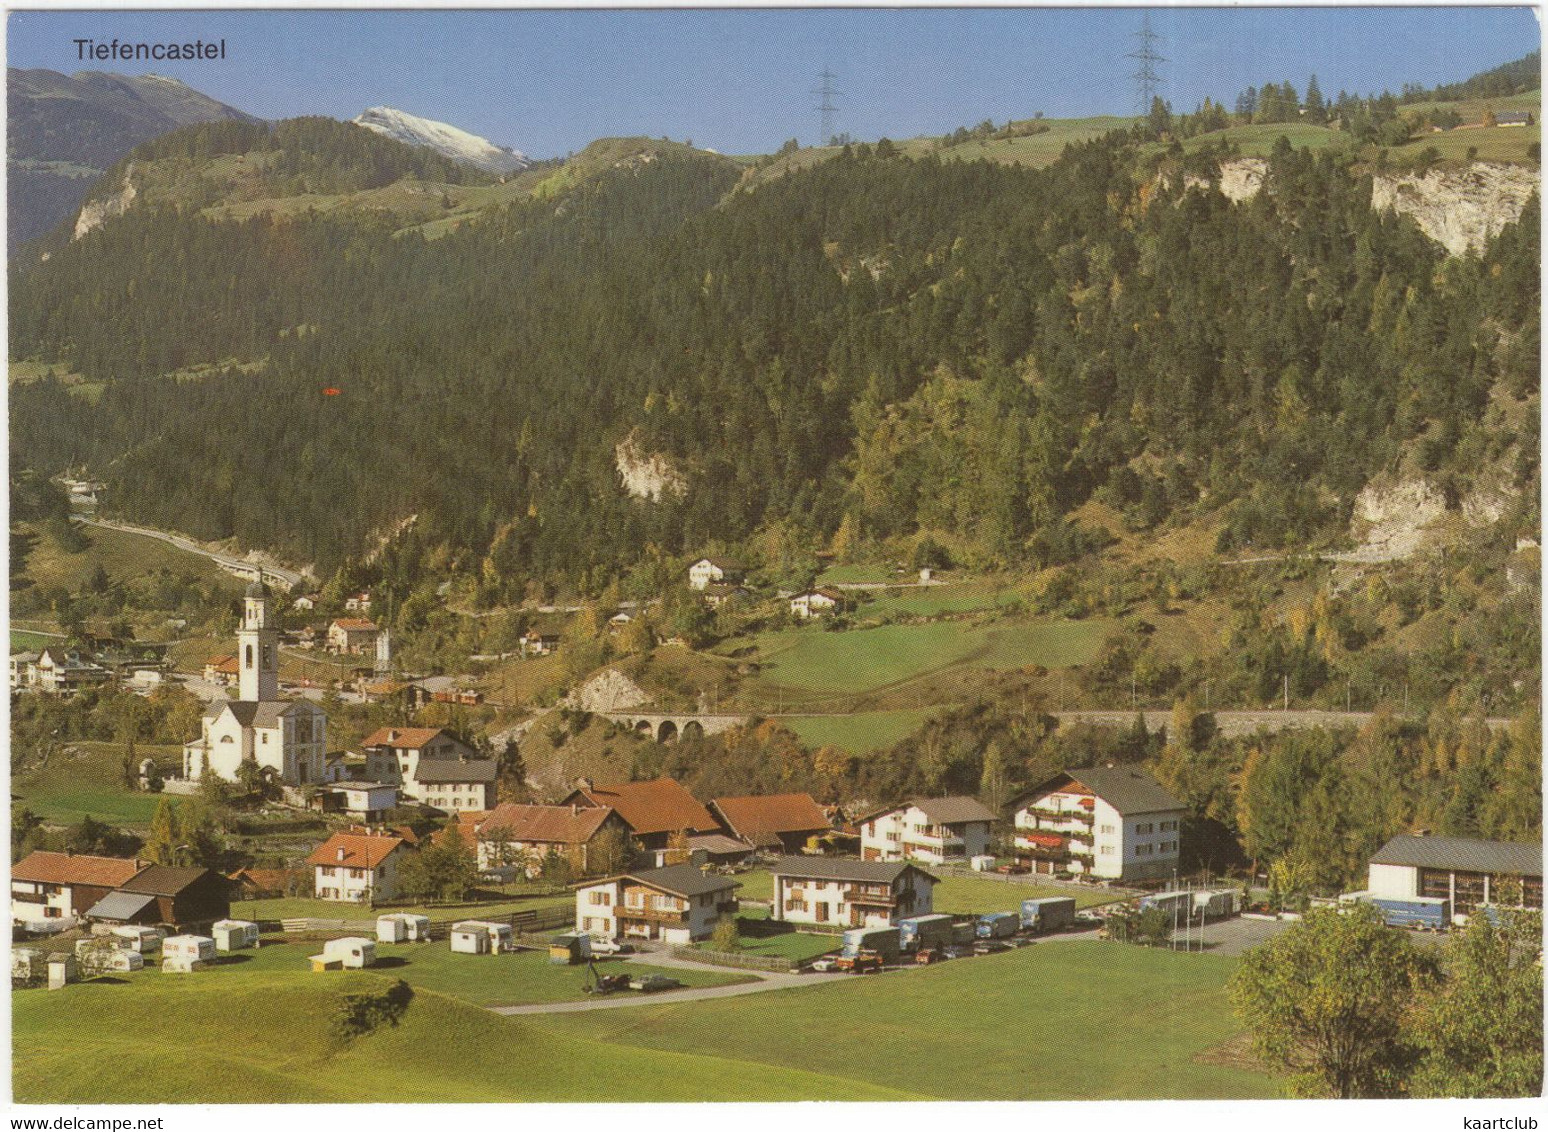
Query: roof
point(658, 806)
point(1126, 789)
point(361, 851)
point(355, 625)
point(410, 738)
point(1465, 854)
point(718, 843)
point(724, 564)
point(164, 880)
point(67, 868)
point(456, 770)
point(679, 880)
point(222, 659)
point(941, 811)
point(265, 880)
point(841, 868)
point(761, 818)
point(121, 905)
point(259, 713)
point(562, 824)
point(24, 657)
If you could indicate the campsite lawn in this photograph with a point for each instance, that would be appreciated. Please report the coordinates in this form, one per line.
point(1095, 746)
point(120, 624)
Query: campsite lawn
point(291, 907)
point(266, 1038)
point(1056, 1021)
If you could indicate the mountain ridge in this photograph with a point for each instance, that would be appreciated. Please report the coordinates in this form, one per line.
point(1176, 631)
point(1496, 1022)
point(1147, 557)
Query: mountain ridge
point(446, 139)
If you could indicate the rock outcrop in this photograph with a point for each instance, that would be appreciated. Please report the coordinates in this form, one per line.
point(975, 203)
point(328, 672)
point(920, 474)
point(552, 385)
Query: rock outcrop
point(1460, 209)
point(94, 212)
point(647, 476)
point(608, 690)
point(1391, 519)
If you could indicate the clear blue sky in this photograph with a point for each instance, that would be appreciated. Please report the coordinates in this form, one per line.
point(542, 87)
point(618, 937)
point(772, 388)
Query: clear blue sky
point(741, 81)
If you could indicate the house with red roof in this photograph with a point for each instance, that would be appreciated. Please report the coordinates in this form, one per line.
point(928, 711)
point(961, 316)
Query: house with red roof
point(49, 888)
point(653, 810)
point(358, 867)
point(522, 836)
point(781, 822)
point(352, 635)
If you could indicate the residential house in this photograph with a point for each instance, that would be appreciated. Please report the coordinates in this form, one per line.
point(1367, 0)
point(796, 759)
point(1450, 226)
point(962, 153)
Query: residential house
point(221, 670)
point(63, 672)
point(49, 887)
point(184, 899)
point(354, 635)
point(368, 801)
point(653, 810)
point(717, 594)
point(1117, 823)
point(1466, 871)
point(358, 867)
point(431, 765)
point(934, 830)
point(258, 884)
point(456, 784)
point(542, 637)
point(307, 602)
point(24, 670)
point(1514, 118)
point(522, 835)
point(358, 603)
point(781, 822)
point(708, 570)
point(849, 894)
point(817, 602)
point(675, 904)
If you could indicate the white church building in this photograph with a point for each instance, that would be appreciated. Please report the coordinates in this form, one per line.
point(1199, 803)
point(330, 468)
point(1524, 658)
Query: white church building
point(287, 737)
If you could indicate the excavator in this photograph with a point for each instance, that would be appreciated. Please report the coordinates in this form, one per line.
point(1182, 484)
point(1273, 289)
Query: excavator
point(598, 983)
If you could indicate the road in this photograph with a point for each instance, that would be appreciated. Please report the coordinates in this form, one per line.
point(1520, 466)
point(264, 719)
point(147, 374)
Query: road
point(288, 578)
point(1234, 724)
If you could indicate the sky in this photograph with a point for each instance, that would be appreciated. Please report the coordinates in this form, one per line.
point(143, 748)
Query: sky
point(743, 80)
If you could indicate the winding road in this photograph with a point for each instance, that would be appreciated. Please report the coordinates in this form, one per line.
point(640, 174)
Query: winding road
point(287, 578)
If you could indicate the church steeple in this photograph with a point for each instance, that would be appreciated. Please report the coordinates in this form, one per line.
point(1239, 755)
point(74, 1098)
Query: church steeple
point(258, 647)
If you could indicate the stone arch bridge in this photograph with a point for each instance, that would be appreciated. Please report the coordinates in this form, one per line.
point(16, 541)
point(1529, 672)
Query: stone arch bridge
point(668, 727)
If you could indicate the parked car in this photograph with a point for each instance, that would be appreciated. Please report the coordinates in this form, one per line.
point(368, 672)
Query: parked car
point(929, 955)
point(824, 963)
point(611, 947)
point(655, 983)
point(957, 951)
point(1012, 870)
point(989, 947)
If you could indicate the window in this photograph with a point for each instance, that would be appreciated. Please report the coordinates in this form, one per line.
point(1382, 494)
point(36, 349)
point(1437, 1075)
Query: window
point(1169, 826)
point(601, 898)
point(1107, 850)
point(1144, 827)
point(1107, 829)
point(1144, 850)
point(51, 913)
point(264, 738)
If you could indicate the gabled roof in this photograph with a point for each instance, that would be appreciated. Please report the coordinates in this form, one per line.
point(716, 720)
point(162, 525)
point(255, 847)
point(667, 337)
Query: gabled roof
point(718, 843)
point(75, 868)
point(941, 811)
point(679, 880)
point(361, 851)
point(411, 738)
point(1464, 854)
point(354, 624)
point(726, 565)
point(456, 770)
point(564, 825)
point(832, 868)
point(761, 818)
point(658, 806)
point(164, 880)
point(1127, 789)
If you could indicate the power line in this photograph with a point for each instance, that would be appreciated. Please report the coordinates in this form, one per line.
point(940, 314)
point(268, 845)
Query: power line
point(827, 92)
point(1146, 80)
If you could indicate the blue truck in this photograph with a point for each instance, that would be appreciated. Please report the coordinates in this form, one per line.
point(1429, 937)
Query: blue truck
point(997, 925)
point(1432, 913)
point(1047, 913)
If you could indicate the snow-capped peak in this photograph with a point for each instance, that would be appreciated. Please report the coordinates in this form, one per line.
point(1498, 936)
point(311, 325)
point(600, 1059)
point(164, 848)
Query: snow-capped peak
point(449, 141)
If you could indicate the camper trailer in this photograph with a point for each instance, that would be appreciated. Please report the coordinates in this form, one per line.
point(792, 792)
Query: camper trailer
point(234, 935)
point(131, 937)
point(1047, 913)
point(351, 951)
point(402, 927)
point(187, 953)
point(1215, 903)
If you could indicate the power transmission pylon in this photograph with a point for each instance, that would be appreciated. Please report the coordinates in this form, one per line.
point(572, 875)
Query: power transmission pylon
point(827, 93)
point(1145, 79)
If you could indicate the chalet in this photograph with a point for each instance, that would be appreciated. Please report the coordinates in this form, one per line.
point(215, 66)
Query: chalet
point(653, 810)
point(63, 672)
point(849, 894)
point(1464, 870)
point(540, 640)
point(1117, 823)
point(522, 836)
point(221, 670)
point(258, 884)
point(817, 602)
point(358, 867)
point(708, 570)
point(353, 635)
point(935, 830)
point(60, 887)
point(184, 899)
point(717, 594)
point(781, 822)
point(676, 904)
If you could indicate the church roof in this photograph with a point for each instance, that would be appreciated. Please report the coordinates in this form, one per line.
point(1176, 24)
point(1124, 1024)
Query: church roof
point(258, 588)
point(257, 713)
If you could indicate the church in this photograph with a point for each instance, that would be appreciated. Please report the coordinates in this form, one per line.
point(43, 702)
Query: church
point(287, 738)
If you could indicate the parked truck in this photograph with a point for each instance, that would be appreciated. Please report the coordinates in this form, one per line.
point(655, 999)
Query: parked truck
point(883, 941)
point(920, 932)
point(1433, 913)
point(1178, 902)
point(1047, 913)
point(997, 925)
point(1214, 903)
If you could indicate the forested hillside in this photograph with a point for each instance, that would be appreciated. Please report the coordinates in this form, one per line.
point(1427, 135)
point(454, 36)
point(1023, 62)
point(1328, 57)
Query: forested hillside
point(877, 347)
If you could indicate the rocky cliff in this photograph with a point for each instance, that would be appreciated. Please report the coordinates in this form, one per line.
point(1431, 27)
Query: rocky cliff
point(1459, 208)
point(94, 212)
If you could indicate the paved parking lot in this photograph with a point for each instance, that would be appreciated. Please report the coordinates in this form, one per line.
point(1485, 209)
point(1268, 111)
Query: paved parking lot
point(1233, 936)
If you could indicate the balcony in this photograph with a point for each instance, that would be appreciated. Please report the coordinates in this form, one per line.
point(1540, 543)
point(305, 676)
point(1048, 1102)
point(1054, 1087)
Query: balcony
point(652, 915)
point(1060, 817)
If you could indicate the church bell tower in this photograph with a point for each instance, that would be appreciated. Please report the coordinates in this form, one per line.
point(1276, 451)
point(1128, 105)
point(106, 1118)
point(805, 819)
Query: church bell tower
point(258, 647)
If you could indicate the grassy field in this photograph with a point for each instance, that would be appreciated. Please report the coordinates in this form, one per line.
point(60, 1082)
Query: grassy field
point(21, 641)
point(958, 895)
point(264, 1037)
point(124, 557)
point(1057, 1021)
point(71, 786)
point(861, 732)
point(288, 907)
point(862, 660)
point(1495, 143)
point(927, 601)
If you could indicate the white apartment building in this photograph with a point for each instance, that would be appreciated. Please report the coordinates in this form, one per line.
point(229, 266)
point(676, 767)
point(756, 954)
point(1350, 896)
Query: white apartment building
point(675, 904)
point(849, 894)
point(933, 830)
point(1117, 823)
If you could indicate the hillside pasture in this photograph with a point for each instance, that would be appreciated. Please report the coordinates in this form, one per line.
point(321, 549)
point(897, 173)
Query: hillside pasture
point(84, 778)
point(861, 732)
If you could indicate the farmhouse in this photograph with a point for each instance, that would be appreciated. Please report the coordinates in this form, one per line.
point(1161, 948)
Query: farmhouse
point(221, 670)
point(781, 822)
point(184, 899)
point(652, 810)
point(935, 830)
point(288, 739)
point(676, 904)
point(352, 635)
point(358, 867)
point(815, 603)
point(851, 894)
point(717, 594)
point(523, 836)
point(52, 888)
point(1113, 822)
point(708, 570)
point(63, 672)
point(432, 765)
point(1466, 871)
